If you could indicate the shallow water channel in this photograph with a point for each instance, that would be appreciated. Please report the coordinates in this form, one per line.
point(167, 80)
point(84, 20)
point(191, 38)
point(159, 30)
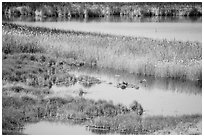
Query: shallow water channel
point(157, 96)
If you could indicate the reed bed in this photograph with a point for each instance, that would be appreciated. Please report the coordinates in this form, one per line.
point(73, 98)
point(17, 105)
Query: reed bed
point(142, 56)
point(131, 123)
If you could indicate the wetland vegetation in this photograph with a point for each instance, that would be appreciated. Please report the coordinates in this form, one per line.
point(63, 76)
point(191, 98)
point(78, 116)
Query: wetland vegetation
point(38, 63)
point(142, 56)
point(35, 59)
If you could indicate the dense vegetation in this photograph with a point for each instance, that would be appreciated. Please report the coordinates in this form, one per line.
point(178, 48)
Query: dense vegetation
point(89, 9)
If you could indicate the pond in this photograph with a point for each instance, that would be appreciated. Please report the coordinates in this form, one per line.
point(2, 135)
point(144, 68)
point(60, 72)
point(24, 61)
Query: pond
point(165, 97)
point(177, 28)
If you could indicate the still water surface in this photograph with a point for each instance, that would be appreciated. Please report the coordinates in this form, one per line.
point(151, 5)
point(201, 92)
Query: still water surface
point(55, 128)
point(169, 31)
point(177, 28)
point(157, 96)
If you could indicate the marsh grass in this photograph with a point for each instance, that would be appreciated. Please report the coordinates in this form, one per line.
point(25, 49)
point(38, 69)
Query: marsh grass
point(35, 69)
point(152, 124)
point(131, 123)
point(16, 111)
point(142, 56)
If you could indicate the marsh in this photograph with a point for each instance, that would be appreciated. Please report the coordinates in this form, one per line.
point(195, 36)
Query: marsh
point(112, 75)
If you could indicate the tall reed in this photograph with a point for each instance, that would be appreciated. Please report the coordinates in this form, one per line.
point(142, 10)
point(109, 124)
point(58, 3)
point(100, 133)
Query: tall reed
point(143, 56)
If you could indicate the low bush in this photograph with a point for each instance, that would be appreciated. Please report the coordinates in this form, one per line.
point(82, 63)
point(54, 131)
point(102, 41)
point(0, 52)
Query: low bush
point(12, 119)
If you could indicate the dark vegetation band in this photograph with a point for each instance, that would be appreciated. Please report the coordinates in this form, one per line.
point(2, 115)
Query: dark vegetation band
point(101, 9)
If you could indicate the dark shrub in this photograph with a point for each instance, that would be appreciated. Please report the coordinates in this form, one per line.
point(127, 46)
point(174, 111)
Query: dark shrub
point(135, 106)
point(11, 101)
point(17, 88)
point(11, 119)
point(13, 47)
point(57, 101)
point(195, 12)
point(28, 100)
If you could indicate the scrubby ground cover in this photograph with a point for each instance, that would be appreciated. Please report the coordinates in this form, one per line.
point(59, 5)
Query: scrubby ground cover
point(35, 59)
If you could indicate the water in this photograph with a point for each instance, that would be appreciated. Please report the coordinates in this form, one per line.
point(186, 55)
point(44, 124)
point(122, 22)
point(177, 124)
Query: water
point(165, 97)
point(55, 128)
point(60, 128)
point(178, 28)
point(105, 19)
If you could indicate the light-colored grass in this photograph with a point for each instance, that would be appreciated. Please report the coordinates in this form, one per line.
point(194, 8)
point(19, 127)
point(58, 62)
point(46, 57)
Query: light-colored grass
point(143, 56)
point(131, 123)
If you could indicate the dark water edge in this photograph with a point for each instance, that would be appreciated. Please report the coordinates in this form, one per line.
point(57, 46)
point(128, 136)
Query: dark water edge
point(150, 89)
point(166, 84)
point(173, 19)
point(89, 9)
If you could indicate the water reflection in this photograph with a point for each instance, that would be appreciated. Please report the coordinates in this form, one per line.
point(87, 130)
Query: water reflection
point(182, 31)
point(104, 19)
point(114, 76)
point(157, 96)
